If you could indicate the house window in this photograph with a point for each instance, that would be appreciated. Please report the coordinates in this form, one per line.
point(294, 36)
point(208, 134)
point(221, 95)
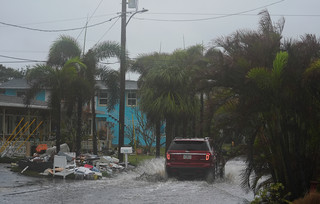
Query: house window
point(132, 99)
point(103, 97)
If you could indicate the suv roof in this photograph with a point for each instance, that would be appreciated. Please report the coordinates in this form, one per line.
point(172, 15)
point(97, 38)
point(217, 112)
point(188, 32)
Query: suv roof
point(190, 139)
point(190, 144)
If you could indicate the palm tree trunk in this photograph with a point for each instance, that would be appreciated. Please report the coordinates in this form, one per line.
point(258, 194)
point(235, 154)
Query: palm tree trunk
point(158, 139)
point(58, 135)
point(79, 124)
point(169, 131)
point(94, 128)
point(201, 114)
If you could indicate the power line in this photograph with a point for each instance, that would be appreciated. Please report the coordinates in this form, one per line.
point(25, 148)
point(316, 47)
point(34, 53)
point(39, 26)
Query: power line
point(58, 30)
point(11, 62)
point(210, 18)
point(18, 58)
point(107, 31)
point(69, 19)
point(22, 51)
point(90, 19)
point(244, 14)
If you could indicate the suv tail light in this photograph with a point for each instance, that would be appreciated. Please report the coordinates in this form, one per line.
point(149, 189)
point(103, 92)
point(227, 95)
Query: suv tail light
point(168, 156)
point(208, 156)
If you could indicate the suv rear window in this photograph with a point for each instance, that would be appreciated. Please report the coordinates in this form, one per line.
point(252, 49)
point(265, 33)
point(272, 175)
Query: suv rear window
point(189, 145)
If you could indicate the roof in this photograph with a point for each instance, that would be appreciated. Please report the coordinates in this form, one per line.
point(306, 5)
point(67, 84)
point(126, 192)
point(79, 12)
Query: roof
point(17, 102)
point(15, 84)
point(130, 85)
point(23, 84)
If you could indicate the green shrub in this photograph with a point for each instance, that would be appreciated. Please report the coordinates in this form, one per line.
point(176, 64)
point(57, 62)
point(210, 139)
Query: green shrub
point(273, 194)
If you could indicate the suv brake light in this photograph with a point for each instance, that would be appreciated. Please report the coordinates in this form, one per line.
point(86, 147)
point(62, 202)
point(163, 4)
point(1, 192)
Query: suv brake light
point(168, 156)
point(208, 156)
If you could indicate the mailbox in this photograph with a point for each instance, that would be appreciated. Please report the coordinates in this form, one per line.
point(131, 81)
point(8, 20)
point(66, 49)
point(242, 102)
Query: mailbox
point(126, 150)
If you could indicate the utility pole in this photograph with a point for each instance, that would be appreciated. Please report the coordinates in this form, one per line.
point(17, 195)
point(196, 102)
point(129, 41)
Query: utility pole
point(123, 68)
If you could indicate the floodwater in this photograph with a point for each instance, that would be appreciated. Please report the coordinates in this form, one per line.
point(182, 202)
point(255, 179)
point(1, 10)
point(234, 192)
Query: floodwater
point(144, 184)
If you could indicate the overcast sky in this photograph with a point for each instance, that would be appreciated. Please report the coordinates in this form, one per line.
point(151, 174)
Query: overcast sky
point(168, 25)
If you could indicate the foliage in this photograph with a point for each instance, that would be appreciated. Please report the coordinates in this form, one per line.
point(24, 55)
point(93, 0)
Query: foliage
point(110, 77)
point(66, 52)
point(63, 49)
point(58, 81)
point(7, 74)
point(167, 91)
point(265, 94)
point(141, 130)
point(273, 194)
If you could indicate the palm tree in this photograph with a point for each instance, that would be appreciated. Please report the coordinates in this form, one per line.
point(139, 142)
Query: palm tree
point(143, 65)
point(171, 74)
point(78, 95)
point(271, 82)
point(66, 47)
point(163, 94)
point(110, 77)
point(57, 81)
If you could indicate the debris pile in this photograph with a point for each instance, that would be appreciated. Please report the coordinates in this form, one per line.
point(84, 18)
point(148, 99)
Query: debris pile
point(85, 166)
point(109, 164)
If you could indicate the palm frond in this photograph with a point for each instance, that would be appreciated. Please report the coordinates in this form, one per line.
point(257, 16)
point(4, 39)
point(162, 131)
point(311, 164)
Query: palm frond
point(107, 49)
point(279, 63)
point(63, 49)
point(261, 77)
point(110, 78)
point(228, 107)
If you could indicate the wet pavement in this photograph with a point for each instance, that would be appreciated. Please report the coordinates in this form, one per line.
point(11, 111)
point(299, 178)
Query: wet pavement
point(11, 180)
point(145, 184)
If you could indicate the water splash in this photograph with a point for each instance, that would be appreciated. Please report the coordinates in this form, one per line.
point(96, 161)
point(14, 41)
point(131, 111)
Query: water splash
point(233, 170)
point(151, 170)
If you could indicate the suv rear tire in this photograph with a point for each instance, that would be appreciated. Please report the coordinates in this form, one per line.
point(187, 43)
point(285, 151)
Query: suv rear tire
point(166, 174)
point(210, 176)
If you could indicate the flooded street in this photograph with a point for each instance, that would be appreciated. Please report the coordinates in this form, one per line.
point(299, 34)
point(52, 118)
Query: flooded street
point(144, 184)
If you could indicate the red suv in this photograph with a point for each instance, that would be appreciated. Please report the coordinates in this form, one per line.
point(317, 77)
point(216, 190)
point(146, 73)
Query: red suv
point(190, 156)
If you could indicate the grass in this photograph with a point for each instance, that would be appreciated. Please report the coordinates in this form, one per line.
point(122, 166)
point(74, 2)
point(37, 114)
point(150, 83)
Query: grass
point(134, 159)
point(9, 160)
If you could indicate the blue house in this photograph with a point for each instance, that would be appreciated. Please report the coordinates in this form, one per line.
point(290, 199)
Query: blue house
point(109, 120)
point(12, 109)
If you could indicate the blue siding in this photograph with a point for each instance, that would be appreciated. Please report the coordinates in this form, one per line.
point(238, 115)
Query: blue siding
point(10, 92)
point(113, 117)
point(41, 96)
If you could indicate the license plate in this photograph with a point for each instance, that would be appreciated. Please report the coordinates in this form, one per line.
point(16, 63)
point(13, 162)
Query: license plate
point(186, 156)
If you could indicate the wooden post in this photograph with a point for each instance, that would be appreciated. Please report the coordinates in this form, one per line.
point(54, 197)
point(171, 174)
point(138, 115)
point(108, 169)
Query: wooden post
point(28, 149)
